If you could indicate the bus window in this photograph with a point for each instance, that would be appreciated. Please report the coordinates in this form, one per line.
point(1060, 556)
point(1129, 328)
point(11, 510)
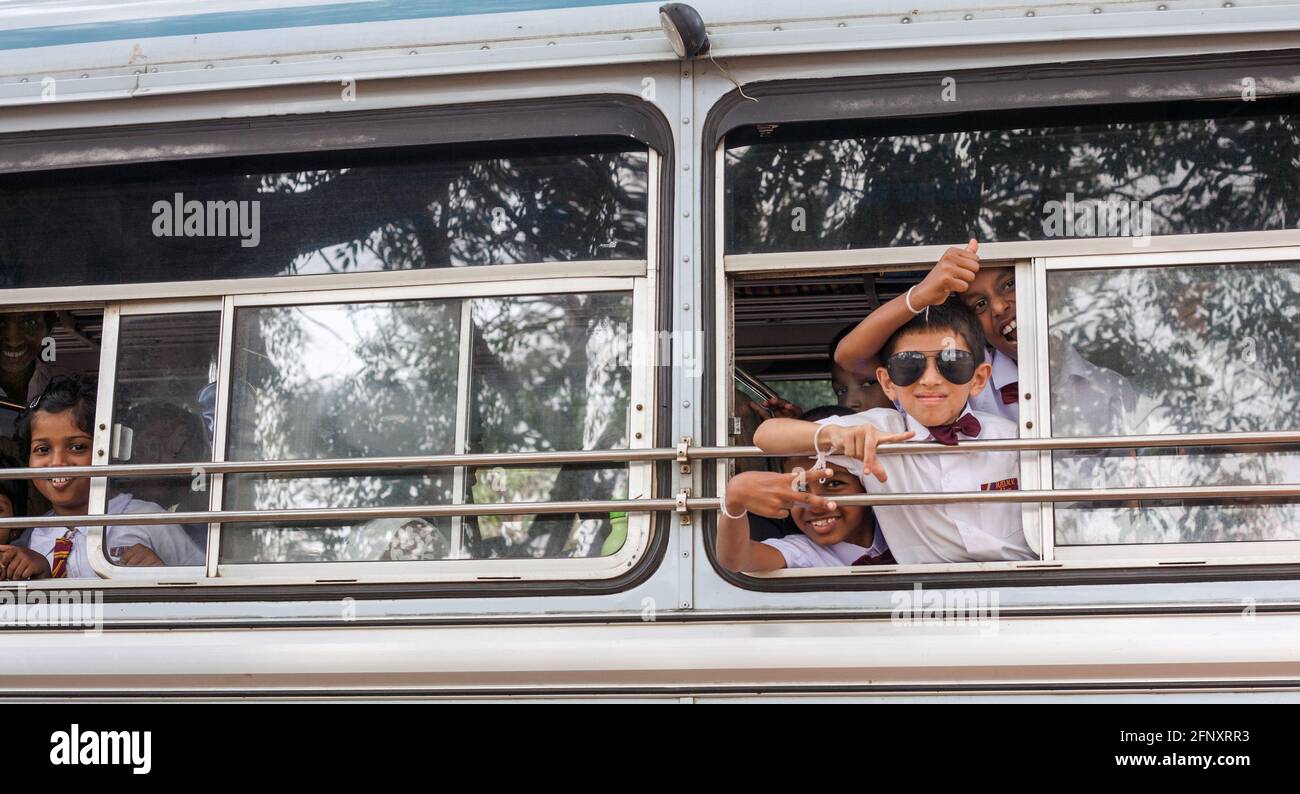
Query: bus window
point(1175, 350)
point(36, 345)
point(549, 373)
point(356, 380)
point(163, 400)
point(328, 212)
point(429, 377)
point(1203, 167)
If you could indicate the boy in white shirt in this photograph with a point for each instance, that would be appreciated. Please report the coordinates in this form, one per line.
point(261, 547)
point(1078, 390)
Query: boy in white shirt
point(934, 367)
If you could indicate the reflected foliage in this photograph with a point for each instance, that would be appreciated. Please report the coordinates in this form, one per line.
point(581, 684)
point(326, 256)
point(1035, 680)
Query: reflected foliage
point(1204, 349)
point(333, 212)
point(1204, 167)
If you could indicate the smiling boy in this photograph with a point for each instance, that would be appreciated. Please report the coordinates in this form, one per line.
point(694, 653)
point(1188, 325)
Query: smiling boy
point(934, 368)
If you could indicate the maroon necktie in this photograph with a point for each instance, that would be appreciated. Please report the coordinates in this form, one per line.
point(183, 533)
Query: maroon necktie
point(887, 558)
point(1010, 393)
point(968, 425)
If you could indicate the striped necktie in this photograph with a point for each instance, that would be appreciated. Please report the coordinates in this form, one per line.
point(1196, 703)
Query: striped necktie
point(62, 550)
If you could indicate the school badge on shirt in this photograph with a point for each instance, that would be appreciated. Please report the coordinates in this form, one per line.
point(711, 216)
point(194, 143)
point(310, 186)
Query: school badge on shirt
point(1009, 484)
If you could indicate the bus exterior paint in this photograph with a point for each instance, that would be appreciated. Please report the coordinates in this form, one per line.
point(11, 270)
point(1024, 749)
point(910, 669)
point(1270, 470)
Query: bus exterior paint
point(682, 630)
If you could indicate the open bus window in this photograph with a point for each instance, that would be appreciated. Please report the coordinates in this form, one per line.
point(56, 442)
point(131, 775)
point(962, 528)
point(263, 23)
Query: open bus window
point(383, 379)
point(1182, 350)
point(37, 345)
point(308, 213)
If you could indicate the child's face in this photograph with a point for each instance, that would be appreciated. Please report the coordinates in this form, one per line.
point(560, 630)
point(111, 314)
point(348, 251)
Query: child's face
point(20, 340)
point(992, 296)
point(57, 441)
point(854, 394)
point(845, 522)
point(933, 399)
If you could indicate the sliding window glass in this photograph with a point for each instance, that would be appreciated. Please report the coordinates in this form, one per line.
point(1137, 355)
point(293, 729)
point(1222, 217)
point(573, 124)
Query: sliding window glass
point(422, 377)
point(1177, 349)
point(312, 213)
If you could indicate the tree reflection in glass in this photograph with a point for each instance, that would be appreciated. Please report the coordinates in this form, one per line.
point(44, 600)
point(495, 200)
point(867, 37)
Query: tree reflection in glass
point(339, 381)
point(548, 373)
point(1205, 349)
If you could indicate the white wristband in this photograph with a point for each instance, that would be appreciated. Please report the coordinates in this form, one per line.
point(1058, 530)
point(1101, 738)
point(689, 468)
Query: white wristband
point(907, 298)
point(722, 508)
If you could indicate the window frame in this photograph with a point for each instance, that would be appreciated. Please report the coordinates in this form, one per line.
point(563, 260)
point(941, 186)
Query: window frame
point(1277, 551)
point(1029, 258)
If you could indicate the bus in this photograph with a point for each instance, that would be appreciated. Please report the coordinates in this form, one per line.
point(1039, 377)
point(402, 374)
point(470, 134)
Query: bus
point(457, 429)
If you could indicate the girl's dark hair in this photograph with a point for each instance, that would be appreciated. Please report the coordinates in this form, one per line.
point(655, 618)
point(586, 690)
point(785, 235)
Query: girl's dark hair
point(952, 315)
point(16, 490)
point(64, 392)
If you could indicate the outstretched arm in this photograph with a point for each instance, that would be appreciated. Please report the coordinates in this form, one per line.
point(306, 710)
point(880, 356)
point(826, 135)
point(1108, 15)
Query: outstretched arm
point(768, 494)
point(859, 350)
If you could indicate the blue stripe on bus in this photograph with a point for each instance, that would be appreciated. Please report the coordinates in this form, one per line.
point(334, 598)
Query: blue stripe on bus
point(266, 19)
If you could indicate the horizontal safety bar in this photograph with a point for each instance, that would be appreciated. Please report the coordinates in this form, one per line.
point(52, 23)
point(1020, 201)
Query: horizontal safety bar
point(424, 462)
point(1199, 492)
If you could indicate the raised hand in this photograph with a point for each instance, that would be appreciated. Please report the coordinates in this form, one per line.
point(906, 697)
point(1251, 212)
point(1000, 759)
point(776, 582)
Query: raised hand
point(954, 272)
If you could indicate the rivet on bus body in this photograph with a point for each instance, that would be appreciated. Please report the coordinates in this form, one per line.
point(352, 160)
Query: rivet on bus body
point(1029, 425)
point(153, 70)
point(550, 44)
point(686, 307)
point(968, 17)
point(413, 52)
point(842, 25)
point(777, 29)
point(686, 166)
point(1028, 396)
point(1227, 5)
point(685, 404)
point(24, 80)
point(640, 407)
point(1096, 10)
point(84, 76)
point(686, 258)
point(485, 47)
point(100, 453)
point(627, 38)
point(686, 213)
point(209, 66)
point(275, 63)
point(638, 435)
point(907, 20)
point(1162, 7)
point(686, 554)
point(103, 427)
point(338, 57)
point(1029, 13)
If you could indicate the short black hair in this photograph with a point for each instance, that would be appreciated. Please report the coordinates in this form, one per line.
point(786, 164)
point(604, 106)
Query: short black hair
point(64, 392)
point(16, 490)
point(825, 411)
point(951, 315)
point(839, 337)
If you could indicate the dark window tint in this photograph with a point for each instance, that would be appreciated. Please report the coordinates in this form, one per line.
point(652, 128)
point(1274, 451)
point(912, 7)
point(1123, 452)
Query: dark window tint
point(326, 212)
point(1194, 167)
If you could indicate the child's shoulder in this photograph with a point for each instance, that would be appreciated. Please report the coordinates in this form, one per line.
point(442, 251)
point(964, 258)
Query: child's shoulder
point(996, 425)
point(887, 419)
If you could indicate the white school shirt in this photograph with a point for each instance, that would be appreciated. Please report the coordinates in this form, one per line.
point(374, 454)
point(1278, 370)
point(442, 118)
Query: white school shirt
point(968, 532)
point(168, 541)
point(801, 551)
point(1005, 371)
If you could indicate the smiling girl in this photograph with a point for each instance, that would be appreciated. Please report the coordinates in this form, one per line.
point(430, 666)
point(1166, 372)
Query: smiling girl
point(55, 431)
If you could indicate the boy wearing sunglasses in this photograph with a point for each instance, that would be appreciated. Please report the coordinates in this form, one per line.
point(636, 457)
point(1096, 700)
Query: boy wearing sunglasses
point(934, 366)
